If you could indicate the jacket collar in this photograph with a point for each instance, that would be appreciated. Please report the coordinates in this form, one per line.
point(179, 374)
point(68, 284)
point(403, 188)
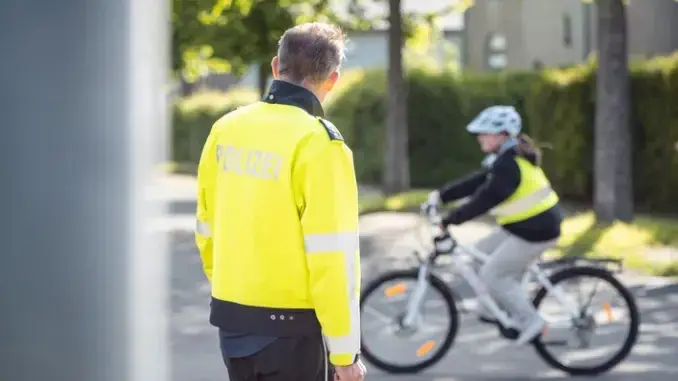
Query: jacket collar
point(287, 93)
point(508, 146)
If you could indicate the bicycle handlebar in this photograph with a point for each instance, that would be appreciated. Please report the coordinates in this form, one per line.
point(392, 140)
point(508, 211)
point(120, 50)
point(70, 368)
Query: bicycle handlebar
point(436, 221)
point(432, 215)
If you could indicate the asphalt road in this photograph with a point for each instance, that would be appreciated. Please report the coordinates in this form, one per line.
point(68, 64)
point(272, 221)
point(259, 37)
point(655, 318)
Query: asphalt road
point(478, 354)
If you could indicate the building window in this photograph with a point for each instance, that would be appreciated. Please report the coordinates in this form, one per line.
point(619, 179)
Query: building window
point(497, 42)
point(497, 61)
point(495, 49)
point(567, 30)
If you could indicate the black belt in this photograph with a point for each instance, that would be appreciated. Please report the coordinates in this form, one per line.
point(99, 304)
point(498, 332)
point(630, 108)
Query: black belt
point(281, 322)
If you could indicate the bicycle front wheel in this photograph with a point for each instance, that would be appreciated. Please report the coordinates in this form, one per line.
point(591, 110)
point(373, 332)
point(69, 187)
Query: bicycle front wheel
point(399, 349)
point(598, 317)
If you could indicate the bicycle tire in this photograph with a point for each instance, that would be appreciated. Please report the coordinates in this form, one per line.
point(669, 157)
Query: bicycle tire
point(453, 326)
point(629, 299)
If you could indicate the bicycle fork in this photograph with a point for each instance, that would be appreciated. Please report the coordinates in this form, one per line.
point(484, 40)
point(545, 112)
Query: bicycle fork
point(417, 297)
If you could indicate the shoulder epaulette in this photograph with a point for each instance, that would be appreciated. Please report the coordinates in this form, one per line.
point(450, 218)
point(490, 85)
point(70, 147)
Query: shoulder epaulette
point(332, 131)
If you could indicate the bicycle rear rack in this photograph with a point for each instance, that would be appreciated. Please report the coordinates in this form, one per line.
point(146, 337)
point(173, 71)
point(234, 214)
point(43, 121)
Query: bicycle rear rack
point(614, 265)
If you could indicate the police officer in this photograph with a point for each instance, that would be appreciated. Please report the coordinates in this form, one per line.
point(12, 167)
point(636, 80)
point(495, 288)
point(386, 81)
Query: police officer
point(277, 224)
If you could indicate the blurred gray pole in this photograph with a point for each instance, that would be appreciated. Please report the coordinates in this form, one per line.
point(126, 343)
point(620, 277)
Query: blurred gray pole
point(83, 281)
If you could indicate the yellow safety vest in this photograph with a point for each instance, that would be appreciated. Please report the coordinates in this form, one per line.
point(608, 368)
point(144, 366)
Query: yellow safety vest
point(534, 195)
point(277, 226)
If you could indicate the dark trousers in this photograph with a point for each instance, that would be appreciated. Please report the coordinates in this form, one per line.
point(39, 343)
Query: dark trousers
point(286, 359)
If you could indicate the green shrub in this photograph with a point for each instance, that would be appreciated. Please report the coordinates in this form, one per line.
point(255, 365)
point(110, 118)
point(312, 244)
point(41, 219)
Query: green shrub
point(359, 112)
point(566, 100)
point(558, 109)
point(655, 122)
point(438, 112)
point(193, 118)
point(440, 105)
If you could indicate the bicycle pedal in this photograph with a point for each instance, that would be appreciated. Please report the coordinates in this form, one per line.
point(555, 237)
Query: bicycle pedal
point(509, 333)
point(487, 320)
point(555, 343)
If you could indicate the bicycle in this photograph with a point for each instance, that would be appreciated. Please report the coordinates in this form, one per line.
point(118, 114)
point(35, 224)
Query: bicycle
point(547, 275)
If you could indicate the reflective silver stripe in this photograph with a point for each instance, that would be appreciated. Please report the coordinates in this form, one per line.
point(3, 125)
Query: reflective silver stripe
point(202, 228)
point(328, 242)
point(348, 243)
point(522, 204)
point(349, 344)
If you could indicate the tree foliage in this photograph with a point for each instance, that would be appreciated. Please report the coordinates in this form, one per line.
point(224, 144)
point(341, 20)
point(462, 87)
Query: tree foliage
point(186, 29)
point(427, 49)
point(231, 35)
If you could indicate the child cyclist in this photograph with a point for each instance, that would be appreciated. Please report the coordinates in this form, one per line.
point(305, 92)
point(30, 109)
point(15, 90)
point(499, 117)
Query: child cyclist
point(513, 188)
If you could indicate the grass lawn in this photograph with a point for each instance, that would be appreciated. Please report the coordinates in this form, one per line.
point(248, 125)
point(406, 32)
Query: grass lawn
point(178, 168)
point(649, 243)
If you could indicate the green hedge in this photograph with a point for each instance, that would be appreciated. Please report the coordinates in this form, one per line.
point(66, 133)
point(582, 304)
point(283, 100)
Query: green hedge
point(193, 117)
point(655, 116)
point(439, 107)
point(558, 108)
point(561, 109)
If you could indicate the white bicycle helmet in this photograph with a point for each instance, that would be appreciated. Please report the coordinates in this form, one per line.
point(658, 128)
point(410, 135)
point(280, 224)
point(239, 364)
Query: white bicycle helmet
point(495, 120)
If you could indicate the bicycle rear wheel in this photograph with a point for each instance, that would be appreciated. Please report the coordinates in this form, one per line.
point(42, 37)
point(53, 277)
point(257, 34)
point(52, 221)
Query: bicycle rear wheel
point(425, 351)
point(586, 323)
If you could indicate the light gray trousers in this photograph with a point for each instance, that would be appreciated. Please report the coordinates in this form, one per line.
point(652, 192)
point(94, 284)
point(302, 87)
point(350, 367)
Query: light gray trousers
point(502, 273)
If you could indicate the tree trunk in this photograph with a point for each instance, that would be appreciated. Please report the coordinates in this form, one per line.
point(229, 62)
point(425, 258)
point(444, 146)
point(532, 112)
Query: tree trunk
point(613, 186)
point(396, 174)
point(262, 79)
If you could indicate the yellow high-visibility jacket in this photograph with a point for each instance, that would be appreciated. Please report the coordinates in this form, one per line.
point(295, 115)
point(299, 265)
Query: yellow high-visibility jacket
point(277, 223)
point(533, 196)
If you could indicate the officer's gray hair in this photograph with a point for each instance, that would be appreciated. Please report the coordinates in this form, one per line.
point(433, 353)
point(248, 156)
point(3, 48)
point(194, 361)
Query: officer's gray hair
point(311, 52)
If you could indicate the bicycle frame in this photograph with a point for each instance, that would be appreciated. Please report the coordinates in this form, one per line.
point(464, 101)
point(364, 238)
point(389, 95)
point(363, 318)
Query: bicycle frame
point(459, 256)
point(465, 261)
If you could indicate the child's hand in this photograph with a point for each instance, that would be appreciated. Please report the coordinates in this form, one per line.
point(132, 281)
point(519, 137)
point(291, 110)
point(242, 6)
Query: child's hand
point(434, 198)
point(432, 202)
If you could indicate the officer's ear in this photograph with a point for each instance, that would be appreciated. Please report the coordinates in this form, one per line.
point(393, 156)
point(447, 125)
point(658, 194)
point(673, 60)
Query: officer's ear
point(332, 80)
point(275, 62)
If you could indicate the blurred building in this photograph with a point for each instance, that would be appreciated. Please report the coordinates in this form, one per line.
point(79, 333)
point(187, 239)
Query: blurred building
point(369, 49)
point(513, 34)
point(523, 34)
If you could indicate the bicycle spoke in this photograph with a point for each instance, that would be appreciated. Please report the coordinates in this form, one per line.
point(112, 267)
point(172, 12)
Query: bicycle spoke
point(378, 328)
point(407, 347)
point(588, 303)
point(579, 296)
point(589, 345)
point(555, 343)
point(383, 318)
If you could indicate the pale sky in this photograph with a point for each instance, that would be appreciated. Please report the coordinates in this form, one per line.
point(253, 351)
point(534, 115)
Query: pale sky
point(380, 7)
